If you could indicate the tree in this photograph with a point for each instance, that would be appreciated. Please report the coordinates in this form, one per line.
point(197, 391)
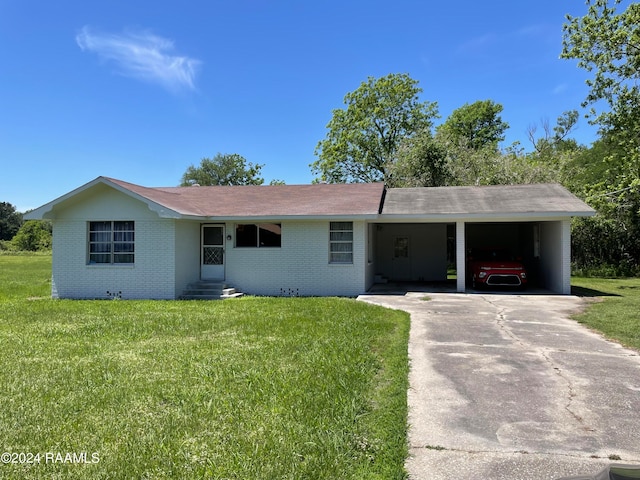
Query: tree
point(478, 123)
point(607, 44)
point(10, 221)
point(556, 139)
point(422, 162)
point(223, 169)
point(363, 139)
point(33, 236)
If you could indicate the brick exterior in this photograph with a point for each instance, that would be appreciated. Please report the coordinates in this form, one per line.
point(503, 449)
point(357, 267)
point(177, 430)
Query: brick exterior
point(555, 255)
point(301, 266)
point(151, 276)
point(167, 253)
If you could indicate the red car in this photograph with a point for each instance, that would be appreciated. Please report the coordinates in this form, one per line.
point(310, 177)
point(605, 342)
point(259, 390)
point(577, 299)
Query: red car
point(495, 268)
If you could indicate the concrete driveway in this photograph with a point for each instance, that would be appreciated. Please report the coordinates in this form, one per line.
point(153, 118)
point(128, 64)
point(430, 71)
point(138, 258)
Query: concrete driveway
point(508, 387)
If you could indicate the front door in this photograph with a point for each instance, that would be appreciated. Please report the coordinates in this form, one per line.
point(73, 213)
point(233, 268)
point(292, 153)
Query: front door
point(401, 262)
point(212, 252)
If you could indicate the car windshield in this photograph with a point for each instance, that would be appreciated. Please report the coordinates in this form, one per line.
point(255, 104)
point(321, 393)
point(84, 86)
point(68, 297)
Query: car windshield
point(495, 255)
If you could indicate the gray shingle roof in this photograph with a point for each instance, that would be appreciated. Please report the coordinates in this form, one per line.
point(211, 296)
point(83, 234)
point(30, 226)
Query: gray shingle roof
point(533, 199)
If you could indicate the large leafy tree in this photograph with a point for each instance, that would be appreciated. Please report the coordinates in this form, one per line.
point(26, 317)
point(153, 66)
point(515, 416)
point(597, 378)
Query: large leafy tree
point(422, 162)
point(479, 124)
point(363, 139)
point(606, 44)
point(223, 169)
point(463, 151)
point(10, 221)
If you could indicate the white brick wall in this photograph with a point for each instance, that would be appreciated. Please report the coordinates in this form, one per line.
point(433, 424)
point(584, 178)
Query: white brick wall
point(151, 276)
point(300, 267)
point(555, 255)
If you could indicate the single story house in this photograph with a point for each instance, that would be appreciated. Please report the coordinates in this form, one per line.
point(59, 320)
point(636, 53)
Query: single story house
point(323, 239)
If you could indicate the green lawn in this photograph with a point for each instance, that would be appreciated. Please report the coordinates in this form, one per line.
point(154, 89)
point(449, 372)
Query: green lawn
point(253, 388)
point(616, 308)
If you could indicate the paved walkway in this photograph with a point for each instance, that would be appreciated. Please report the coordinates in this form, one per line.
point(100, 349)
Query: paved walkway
point(507, 387)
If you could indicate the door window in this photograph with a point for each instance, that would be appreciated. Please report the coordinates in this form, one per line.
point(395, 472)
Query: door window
point(401, 247)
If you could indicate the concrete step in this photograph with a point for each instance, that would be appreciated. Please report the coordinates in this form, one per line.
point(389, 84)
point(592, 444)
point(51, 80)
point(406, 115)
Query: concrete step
point(208, 290)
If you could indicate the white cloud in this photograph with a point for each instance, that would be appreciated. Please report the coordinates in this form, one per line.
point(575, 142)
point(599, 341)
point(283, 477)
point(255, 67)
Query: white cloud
point(561, 88)
point(479, 45)
point(142, 55)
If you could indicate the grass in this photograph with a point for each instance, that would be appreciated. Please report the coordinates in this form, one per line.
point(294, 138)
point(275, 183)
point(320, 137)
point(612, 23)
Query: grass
point(617, 316)
point(253, 388)
point(24, 276)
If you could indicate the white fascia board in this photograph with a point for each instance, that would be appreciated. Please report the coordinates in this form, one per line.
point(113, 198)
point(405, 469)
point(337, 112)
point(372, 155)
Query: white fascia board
point(504, 217)
point(285, 218)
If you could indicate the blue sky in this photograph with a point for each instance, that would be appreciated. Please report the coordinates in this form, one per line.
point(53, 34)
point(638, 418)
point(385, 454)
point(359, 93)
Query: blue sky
point(140, 90)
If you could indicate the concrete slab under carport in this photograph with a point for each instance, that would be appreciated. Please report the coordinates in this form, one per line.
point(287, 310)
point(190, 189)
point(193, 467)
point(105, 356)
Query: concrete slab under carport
point(448, 286)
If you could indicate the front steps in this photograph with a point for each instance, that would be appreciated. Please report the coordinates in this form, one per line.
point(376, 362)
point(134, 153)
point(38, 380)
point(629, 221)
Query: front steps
point(207, 290)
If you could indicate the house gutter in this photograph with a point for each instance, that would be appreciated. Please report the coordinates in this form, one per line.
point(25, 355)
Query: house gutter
point(501, 217)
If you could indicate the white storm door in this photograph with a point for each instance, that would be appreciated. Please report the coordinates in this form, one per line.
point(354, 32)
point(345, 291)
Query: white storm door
point(212, 252)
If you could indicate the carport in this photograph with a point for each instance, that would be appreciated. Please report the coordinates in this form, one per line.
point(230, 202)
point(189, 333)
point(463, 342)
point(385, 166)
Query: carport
point(421, 231)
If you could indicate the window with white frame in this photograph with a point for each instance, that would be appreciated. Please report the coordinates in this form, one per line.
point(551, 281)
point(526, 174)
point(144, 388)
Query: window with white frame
point(111, 242)
point(341, 242)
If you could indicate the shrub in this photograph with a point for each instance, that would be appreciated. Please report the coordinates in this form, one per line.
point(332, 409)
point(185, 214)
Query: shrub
point(33, 236)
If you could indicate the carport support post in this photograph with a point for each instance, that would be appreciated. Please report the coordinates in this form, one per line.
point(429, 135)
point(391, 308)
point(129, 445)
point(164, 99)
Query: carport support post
point(461, 257)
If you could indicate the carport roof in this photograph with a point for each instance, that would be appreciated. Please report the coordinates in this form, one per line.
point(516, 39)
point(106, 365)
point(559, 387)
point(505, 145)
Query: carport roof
point(485, 201)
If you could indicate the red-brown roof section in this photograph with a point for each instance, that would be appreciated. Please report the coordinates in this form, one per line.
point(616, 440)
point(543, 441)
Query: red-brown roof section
point(265, 200)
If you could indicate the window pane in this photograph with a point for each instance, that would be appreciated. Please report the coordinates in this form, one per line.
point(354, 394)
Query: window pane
point(270, 234)
point(123, 247)
point(99, 247)
point(246, 235)
point(341, 258)
point(100, 258)
point(401, 247)
point(123, 258)
point(341, 247)
point(100, 236)
point(123, 226)
point(123, 236)
point(100, 226)
point(341, 226)
point(212, 235)
point(341, 236)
